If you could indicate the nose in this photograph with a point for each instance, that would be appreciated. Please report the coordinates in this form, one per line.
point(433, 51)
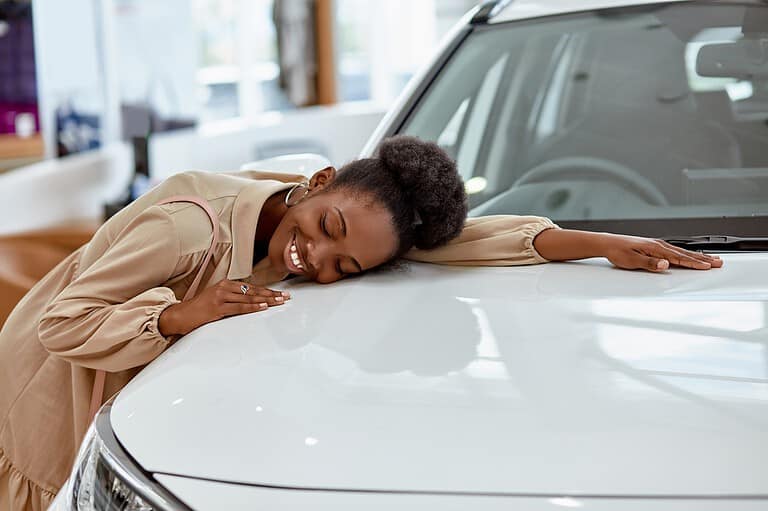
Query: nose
point(317, 252)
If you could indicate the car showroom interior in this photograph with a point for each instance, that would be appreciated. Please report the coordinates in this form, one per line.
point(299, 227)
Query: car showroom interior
point(383, 254)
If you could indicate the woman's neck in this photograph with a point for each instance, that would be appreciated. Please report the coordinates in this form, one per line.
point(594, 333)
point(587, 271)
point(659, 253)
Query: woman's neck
point(272, 212)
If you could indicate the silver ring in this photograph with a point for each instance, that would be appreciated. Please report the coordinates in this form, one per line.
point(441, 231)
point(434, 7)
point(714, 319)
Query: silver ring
point(244, 289)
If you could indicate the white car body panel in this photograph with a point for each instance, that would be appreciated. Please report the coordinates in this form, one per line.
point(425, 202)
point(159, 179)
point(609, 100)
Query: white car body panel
point(560, 379)
point(210, 496)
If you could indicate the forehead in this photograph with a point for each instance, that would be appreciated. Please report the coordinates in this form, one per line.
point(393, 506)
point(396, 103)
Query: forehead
point(371, 238)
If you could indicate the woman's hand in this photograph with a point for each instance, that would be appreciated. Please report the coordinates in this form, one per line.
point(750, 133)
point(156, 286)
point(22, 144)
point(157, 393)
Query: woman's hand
point(223, 299)
point(627, 252)
point(632, 253)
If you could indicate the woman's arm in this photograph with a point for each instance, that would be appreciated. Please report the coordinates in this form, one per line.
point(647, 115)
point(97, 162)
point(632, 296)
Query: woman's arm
point(107, 318)
point(627, 252)
point(497, 240)
point(510, 240)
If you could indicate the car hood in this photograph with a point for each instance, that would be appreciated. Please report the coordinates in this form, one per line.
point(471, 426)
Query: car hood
point(562, 379)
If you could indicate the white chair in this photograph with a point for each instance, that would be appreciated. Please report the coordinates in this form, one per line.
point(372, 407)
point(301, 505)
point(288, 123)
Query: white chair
point(305, 164)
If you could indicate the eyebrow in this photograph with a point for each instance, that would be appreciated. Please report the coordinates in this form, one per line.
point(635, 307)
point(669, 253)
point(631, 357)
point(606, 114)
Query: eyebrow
point(344, 231)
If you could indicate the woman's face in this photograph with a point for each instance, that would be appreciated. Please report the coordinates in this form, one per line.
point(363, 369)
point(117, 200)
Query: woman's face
point(332, 234)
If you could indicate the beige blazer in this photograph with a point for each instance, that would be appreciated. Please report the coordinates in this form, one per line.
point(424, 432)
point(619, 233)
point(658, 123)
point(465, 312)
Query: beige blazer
point(98, 309)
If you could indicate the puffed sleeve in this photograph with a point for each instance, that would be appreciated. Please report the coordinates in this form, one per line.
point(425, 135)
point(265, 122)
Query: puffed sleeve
point(498, 240)
point(106, 318)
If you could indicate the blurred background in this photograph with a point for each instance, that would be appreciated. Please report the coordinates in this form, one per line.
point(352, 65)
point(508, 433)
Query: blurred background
point(95, 92)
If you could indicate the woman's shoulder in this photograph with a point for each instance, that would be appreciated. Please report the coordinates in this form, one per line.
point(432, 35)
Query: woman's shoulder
point(260, 175)
point(213, 185)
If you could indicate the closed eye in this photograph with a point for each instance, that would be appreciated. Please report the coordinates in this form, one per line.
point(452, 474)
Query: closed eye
point(323, 225)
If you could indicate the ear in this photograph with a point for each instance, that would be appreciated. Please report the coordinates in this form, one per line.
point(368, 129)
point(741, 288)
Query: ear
point(321, 179)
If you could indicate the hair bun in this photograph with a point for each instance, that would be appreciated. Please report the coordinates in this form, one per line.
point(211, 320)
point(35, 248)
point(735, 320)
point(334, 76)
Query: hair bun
point(431, 181)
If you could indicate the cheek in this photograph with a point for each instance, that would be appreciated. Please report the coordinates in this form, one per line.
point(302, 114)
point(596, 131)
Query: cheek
point(301, 215)
point(280, 237)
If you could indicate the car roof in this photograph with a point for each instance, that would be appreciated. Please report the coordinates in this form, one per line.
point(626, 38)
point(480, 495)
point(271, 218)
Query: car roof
point(522, 9)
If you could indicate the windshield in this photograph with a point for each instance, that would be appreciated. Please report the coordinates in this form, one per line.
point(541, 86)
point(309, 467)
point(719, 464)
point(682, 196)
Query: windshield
point(650, 120)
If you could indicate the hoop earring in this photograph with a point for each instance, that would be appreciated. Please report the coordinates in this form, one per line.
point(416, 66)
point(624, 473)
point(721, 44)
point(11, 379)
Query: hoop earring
point(288, 195)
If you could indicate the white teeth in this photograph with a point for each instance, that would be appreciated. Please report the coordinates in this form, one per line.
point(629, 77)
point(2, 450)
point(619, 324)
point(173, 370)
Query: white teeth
point(295, 257)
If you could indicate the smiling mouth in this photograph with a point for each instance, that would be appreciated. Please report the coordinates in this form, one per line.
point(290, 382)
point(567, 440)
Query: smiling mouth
point(293, 257)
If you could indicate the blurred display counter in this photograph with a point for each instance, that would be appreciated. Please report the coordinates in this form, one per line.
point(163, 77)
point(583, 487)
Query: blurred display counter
point(26, 257)
point(18, 151)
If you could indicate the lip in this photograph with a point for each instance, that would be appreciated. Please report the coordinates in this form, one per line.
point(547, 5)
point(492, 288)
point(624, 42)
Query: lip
point(287, 257)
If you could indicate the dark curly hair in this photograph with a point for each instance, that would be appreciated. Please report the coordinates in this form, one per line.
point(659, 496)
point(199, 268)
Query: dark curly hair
point(420, 186)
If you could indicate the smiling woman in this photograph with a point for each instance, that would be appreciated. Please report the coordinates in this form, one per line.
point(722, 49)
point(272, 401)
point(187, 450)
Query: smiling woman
point(116, 303)
point(374, 210)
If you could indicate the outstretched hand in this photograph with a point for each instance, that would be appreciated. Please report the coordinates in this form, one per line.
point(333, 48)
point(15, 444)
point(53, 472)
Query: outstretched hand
point(627, 252)
point(225, 298)
point(633, 253)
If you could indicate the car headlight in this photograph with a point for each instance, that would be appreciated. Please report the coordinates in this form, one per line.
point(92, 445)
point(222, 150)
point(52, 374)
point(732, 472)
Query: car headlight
point(105, 478)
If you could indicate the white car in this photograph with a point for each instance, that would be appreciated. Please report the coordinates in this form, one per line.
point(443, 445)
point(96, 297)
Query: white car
point(570, 385)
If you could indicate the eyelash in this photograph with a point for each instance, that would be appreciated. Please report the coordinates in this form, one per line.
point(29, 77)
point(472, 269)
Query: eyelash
point(322, 225)
point(325, 231)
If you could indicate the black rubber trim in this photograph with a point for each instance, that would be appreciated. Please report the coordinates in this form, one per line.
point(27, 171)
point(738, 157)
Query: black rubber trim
point(754, 226)
point(488, 10)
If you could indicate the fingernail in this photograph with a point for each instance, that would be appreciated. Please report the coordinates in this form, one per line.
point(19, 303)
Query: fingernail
point(278, 298)
point(286, 294)
point(662, 264)
point(263, 306)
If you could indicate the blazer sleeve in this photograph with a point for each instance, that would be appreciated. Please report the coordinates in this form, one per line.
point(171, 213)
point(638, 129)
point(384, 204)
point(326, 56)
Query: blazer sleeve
point(106, 318)
point(498, 240)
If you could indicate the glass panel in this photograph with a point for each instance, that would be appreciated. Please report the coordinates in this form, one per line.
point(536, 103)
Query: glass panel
point(651, 113)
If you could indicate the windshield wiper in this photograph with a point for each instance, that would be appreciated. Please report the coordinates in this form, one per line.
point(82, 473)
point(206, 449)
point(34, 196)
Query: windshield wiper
point(717, 242)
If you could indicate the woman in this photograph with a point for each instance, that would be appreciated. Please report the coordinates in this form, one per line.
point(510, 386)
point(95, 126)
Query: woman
point(114, 304)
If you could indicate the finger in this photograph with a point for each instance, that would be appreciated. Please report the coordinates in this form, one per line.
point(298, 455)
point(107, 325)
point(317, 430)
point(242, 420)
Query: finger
point(237, 287)
point(263, 291)
point(234, 309)
point(701, 256)
point(641, 260)
point(241, 298)
point(651, 263)
point(681, 258)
